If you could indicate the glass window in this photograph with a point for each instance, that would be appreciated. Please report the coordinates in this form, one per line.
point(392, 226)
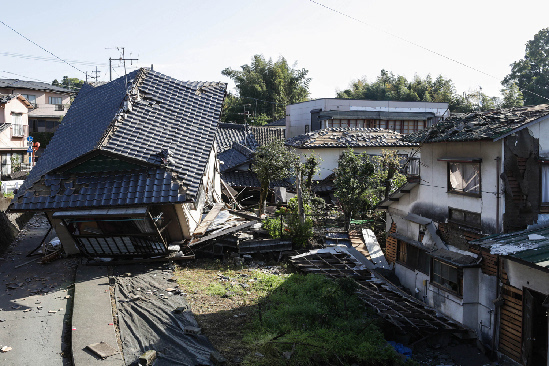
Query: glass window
point(55, 100)
point(464, 177)
point(447, 276)
point(17, 124)
point(31, 98)
point(465, 217)
point(413, 257)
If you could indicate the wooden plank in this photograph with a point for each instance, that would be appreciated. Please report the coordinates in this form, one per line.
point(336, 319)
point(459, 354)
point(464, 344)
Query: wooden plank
point(512, 344)
point(508, 321)
point(204, 224)
point(511, 333)
point(512, 314)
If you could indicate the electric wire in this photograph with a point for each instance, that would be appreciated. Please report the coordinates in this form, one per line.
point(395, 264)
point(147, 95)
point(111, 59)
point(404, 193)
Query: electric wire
point(26, 77)
point(42, 48)
point(41, 58)
point(418, 45)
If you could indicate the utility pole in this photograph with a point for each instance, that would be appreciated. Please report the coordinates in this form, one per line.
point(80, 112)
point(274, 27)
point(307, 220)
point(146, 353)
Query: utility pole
point(96, 72)
point(121, 58)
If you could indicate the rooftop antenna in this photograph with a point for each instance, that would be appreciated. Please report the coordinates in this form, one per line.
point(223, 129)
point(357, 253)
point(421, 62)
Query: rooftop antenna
point(121, 58)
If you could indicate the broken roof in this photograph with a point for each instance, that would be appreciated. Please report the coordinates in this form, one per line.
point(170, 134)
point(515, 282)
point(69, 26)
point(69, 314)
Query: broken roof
point(530, 246)
point(144, 131)
point(236, 144)
point(6, 98)
point(247, 178)
point(349, 137)
point(34, 85)
point(488, 125)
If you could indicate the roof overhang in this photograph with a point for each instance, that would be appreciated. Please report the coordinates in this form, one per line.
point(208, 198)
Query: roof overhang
point(541, 119)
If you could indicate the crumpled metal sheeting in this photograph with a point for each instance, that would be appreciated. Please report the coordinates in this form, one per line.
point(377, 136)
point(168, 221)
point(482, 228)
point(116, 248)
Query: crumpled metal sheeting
point(148, 321)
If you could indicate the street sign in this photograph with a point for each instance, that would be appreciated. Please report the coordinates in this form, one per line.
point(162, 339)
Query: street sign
point(29, 138)
point(29, 150)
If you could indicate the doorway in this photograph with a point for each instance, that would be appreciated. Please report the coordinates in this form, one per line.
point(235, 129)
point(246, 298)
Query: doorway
point(534, 339)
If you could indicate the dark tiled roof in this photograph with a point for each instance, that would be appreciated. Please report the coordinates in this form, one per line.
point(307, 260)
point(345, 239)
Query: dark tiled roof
point(5, 98)
point(4, 126)
point(378, 115)
point(154, 121)
point(229, 133)
point(476, 126)
point(240, 178)
point(263, 135)
point(34, 85)
point(348, 137)
point(58, 191)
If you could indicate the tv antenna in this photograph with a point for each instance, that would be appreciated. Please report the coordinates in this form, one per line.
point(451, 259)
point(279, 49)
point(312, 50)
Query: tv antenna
point(122, 58)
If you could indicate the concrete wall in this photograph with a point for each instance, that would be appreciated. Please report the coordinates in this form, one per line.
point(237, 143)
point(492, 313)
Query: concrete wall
point(329, 156)
point(10, 224)
point(431, 198)
point(298, 115)
point(521, 276)
point(541, 132)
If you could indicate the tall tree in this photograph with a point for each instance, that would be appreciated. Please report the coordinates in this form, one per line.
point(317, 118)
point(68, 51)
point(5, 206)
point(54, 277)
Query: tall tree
point(512, 96)
point(265, 87)
point(272, 162)
point(531, 74)
point(353, 176)
point(69, 83)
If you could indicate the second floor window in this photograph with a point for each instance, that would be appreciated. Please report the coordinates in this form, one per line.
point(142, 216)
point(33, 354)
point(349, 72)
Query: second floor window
point(17, 124)
point(31, 98)
point(545, 184)
point(55, 100)
point(464, 178)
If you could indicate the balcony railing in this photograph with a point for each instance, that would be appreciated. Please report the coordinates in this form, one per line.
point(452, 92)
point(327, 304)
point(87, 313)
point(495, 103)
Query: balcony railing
point(19, 130)
point(59, 107)
point(412, 167)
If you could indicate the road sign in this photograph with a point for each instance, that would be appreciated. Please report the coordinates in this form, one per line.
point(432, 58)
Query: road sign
point(29, 138)
point(29, 150)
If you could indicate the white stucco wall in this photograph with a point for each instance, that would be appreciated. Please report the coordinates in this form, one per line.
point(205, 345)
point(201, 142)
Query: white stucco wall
point(7, 142)
point(431, 198)
point(329, 156)
point(298, 115)
point(521, 276)
point(540, 131)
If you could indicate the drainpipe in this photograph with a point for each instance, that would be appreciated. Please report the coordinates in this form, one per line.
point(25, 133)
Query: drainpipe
point(498, 169)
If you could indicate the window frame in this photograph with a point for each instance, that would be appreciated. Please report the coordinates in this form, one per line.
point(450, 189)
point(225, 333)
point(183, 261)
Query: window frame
point(50, 99)
point(442, 285)
point(544, 163)
point(412, 260)
point(465, 213)
point(471, 161)
point(17, 126)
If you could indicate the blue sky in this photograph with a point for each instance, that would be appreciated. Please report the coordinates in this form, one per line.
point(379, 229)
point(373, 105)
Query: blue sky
point(196, 40)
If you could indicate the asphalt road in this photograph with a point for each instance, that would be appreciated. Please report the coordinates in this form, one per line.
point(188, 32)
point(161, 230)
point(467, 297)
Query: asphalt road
point(35, 303)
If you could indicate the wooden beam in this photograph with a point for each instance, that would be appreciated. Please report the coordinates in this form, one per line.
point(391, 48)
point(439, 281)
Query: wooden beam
point(204, 224)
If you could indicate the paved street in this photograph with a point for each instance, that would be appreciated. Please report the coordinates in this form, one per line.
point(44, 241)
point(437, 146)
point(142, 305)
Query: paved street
point(35, 303)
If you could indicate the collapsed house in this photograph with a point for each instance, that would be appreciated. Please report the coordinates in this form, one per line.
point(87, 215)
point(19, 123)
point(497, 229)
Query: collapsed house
point(237, 144)
point(131, 167)
point(481, 174)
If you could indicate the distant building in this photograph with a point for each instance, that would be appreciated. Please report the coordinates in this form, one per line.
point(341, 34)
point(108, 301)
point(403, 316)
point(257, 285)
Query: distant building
point(14, 130)
point(402, 117)
point(50, 102)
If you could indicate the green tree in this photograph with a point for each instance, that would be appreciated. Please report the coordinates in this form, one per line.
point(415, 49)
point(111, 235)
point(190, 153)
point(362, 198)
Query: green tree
point(272, 162)
point(531, 74)
point(353, 178)
point(512, 96)
point(69, 83)
point(265, 87)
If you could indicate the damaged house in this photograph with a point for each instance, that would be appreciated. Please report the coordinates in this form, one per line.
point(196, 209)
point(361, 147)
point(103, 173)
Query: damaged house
point(481, 174)
point(131, 167)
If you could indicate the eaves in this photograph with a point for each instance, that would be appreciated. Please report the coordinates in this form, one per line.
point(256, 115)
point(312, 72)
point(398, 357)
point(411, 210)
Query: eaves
point(541, 119)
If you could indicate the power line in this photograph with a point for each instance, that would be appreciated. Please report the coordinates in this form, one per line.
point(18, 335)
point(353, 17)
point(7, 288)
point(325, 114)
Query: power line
point(41, 58)
point(418, 45)
point(42, 48)
point(26, 77)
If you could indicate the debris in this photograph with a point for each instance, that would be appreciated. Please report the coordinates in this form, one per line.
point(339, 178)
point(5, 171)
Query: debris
point(102, 349)
point(147, 358)
point(52, 311)
point(181, 309)
point(5, 349)
point(217, 359)
point(192, 330)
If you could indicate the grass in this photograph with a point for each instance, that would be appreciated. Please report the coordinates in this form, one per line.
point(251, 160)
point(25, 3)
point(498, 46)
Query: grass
point(269, 317)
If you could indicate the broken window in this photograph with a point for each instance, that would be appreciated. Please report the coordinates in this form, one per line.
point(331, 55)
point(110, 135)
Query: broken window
point(446, 276)
point(413, 257)
point(464, 217)
point(464, 177)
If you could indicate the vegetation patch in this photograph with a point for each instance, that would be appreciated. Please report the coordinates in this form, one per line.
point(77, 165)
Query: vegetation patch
point(264, 315)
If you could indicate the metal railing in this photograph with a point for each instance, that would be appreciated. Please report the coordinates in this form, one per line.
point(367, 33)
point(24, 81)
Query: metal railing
point(19, 130)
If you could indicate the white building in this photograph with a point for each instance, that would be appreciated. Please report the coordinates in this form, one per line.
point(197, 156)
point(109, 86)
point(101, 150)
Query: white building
point(403, 117)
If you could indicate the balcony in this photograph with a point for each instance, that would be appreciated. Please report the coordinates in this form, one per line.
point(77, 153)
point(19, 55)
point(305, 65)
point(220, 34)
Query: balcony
point(19, 130)
point(59, 107)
